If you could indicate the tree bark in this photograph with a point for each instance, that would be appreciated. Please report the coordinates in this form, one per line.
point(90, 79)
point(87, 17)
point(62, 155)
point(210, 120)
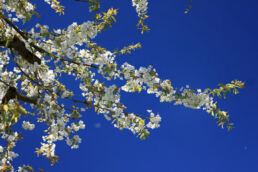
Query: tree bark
point(13, 93)
point(20, 48)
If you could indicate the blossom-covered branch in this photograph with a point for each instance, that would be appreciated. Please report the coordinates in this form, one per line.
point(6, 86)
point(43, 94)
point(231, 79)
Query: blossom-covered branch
point(33, 61)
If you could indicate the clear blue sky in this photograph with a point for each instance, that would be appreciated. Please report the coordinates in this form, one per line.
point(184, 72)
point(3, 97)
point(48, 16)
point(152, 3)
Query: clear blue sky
point(215, 43)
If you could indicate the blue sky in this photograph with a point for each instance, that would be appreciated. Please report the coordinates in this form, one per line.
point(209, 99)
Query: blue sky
point(215, 43)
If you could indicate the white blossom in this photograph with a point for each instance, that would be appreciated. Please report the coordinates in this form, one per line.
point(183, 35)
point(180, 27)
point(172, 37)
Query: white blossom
point(141, 6)
point(1, 149)
point(27, 125)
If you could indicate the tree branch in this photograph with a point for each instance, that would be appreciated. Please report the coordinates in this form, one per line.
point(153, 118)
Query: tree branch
point(20, 47)
point(13, 26)
point(13, 93)
point(32, 58)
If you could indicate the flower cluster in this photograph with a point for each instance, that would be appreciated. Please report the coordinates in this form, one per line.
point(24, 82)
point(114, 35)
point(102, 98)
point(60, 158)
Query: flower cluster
point(141, 6)
point(191, 99)
point(23, 9)
point(27, 125)
point(154, 120)
point(74, 141)
point(6, 153)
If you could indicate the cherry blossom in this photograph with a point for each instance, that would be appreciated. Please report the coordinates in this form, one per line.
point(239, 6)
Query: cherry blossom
point(42, 55)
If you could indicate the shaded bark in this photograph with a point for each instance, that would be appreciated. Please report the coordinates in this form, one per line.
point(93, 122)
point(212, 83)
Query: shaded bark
point(20, 48)
point(13, 93)
point(2, 43)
